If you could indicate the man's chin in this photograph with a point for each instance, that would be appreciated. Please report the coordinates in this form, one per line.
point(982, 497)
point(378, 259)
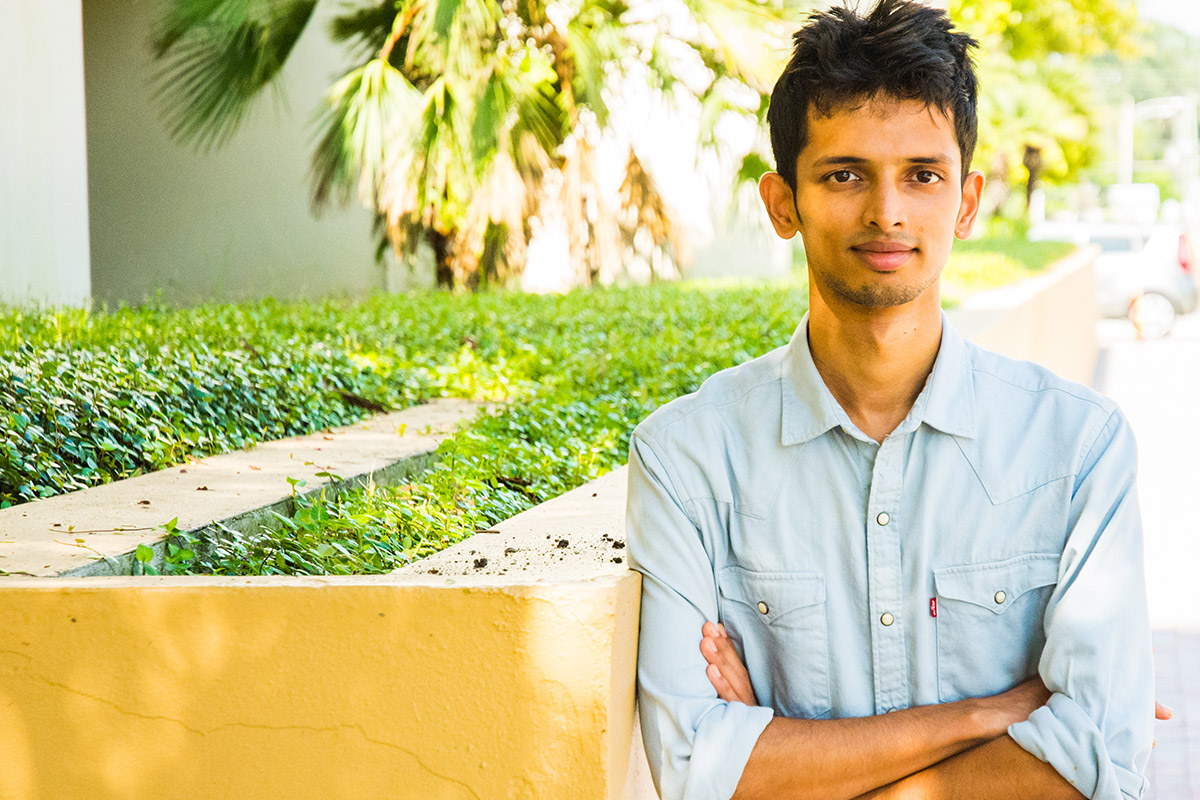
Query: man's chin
point(877, 295)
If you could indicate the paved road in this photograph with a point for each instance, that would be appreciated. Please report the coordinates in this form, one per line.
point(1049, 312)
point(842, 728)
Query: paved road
point(1158, 386)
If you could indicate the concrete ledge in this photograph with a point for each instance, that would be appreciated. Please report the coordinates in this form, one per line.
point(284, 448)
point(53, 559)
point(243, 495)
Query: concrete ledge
point(238, 489)
point(575, 535)
point(1049, 319)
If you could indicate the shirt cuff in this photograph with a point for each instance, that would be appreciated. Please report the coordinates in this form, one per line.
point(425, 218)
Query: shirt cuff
point(1064, 736)
point(722, 744)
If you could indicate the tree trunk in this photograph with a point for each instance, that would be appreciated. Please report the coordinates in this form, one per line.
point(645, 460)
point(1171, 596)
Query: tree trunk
point(1033, 165)
point(441, 258)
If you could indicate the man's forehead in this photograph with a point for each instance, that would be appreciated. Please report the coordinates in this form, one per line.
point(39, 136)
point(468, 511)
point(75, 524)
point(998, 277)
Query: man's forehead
point(875, 127)
point(879, 104)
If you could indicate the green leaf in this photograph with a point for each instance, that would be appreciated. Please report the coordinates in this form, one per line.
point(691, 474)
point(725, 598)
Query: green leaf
point(216, 56)
point(367, 114)
point(144, 553)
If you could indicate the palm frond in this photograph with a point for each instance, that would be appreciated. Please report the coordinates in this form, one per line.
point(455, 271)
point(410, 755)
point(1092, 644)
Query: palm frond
point(216, 56)
point(753, 167)
point(368, 112)
point(596, 42)
point(367, 28)
point(487, 128)
point(535, 103)
point(749, 35)
point(645, 210)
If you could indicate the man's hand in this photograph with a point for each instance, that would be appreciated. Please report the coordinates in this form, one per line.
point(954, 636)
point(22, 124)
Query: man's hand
point(725, 671)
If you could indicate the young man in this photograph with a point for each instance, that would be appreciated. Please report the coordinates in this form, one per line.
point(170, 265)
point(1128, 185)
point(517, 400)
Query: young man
point(880, 517)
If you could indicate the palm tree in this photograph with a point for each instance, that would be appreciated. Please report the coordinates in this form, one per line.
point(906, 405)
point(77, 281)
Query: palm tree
point(459, 110)
point(1034, 119)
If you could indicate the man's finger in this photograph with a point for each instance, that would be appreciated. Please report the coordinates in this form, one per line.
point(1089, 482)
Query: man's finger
point(1162, 712)
point(719, 651)
point(724, 690)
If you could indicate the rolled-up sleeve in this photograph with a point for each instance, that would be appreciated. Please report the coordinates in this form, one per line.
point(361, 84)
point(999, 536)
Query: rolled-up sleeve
point(697, 745)
point(1097, 729)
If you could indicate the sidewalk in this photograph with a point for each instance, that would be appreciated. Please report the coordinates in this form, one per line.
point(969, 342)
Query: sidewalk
point(1158, 387)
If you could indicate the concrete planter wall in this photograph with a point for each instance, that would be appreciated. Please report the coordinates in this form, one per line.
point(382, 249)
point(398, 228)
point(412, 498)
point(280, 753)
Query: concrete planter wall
point(500, 668)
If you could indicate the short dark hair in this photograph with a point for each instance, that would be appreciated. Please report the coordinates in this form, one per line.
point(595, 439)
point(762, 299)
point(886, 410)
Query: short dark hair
point(901, 49)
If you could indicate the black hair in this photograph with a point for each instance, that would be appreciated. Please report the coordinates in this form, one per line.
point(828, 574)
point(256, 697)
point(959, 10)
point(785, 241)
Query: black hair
point(901, 49)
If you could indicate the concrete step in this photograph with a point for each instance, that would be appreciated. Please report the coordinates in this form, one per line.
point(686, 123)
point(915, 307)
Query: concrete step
point(96, 531)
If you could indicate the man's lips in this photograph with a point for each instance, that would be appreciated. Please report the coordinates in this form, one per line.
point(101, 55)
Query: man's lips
point(884, 254)
point(884, 246)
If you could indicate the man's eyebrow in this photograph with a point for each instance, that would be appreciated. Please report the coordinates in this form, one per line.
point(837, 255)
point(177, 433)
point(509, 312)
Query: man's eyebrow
point(832, 161)
point(937, 161)
point(940, 160)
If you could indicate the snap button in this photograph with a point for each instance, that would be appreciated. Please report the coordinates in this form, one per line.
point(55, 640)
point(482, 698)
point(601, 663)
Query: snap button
point(762, 607)
point(884, 518)
point(1000, 597)
point(887, 619)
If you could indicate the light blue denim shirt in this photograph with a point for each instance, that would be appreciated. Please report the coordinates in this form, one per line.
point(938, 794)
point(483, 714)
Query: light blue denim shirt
point(993, 535)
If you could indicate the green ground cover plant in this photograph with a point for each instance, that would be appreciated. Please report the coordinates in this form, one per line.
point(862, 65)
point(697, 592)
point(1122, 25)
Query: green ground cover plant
point(584, 369)
point(87, 398)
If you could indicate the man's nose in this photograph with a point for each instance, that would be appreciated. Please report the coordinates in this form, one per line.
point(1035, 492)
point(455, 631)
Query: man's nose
point(885, 207)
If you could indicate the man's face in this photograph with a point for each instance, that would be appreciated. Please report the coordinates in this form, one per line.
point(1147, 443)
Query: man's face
point(880, 199)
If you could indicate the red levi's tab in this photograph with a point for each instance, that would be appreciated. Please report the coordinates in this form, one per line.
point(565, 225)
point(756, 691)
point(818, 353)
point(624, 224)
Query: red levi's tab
point(933, 607)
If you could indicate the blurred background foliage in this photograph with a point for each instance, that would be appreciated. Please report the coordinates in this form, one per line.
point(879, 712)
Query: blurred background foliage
point(465, 118)
point(462, 122)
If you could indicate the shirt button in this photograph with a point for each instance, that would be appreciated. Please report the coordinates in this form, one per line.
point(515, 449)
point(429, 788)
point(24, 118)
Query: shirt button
point(883, 518)
point(887, 618)
point(762, 607)
point(1000, 597)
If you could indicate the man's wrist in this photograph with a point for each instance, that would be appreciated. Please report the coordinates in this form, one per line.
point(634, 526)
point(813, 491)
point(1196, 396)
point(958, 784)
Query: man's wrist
point(987, 718)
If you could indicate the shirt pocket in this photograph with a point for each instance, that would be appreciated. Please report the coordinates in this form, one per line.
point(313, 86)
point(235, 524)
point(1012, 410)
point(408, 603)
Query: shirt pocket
point(989, 623)
point(778, 621)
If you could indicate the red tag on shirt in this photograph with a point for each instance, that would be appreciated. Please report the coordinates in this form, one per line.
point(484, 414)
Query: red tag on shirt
point(933, 606)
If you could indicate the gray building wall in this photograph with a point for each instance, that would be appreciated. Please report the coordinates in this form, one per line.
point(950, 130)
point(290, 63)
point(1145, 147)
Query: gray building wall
point(229, 224)
point(43, 155)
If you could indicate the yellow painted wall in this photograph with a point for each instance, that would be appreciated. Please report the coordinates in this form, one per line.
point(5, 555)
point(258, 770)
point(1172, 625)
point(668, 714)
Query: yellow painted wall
point(315, 688)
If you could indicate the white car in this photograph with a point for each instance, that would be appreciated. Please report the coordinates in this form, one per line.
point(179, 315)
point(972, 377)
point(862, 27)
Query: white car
point(1144, 273)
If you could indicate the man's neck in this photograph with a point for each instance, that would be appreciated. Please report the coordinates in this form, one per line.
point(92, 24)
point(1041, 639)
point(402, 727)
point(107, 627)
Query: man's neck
point(875, 361)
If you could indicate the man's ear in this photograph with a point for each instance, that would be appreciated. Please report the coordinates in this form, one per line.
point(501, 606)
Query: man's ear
point(781, 205)
point(968, 209)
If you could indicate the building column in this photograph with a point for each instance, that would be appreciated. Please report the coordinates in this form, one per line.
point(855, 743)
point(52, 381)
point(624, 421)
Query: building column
point(44, 252)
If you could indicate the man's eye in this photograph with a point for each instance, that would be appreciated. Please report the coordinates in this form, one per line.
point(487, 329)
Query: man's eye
point(926, 176)
point(842, 176)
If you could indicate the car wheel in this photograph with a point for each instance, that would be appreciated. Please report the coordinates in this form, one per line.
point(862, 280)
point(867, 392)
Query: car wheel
point(1152, 315)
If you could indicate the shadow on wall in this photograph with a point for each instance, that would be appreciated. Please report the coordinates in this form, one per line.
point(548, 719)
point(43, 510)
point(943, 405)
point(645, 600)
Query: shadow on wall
point(323, 688)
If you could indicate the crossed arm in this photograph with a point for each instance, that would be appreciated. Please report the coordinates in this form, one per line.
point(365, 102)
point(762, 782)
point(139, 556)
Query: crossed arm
point(955, 750)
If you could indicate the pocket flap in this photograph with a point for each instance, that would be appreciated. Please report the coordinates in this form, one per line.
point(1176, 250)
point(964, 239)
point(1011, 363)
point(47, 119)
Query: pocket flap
point(772, 595)
point(997, 585)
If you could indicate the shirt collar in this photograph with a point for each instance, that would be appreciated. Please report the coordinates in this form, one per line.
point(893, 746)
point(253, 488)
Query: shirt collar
point(947, 402)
